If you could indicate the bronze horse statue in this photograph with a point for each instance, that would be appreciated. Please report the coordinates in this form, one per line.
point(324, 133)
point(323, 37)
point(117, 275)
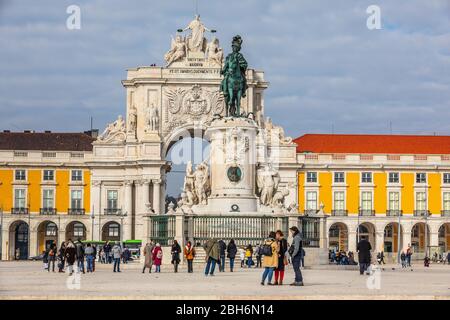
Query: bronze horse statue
point(234, 83)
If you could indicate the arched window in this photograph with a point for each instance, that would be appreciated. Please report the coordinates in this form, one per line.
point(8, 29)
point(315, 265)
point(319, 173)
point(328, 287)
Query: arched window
point(51, 229)
point(113, 230)
point(78, 230)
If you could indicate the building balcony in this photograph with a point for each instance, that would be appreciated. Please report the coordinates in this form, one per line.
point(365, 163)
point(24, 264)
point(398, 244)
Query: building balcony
point(76, 211)
point(339, 213)
point(47, 211)
point(421, 213)
point(309, 212)
point(367, 213)
point(445, 213)
point(19, 211)
point(112, 212)
point(394, 213)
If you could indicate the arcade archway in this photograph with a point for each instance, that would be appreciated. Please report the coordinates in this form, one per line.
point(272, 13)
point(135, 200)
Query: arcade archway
point(75, 230)
point(18, 240)
point(47, 234)
point(392, 238)
point(444, 237)
point(418, 242)
point(111, 231)
point(338, 237)
point(366, 230)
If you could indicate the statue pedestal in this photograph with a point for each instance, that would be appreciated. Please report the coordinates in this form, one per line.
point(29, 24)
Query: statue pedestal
point(233, 164)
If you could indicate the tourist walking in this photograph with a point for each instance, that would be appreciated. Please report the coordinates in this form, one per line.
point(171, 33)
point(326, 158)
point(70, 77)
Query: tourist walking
point(249, 255)
point(51, 257)
point(107, 250)
point(94, 255)
point(61, 257)
point(116, 252)
point(189, 254)
point(89, 253)
point(258, 256)
point(363, 248)
point(231, 253)
point(380, 258)
point(222, 252)
point(403, 259)
point(282, 259)
point(148, 255)
point(70, 254)
point(212, 256)
point(242, 256)
point(270, 251)
point(157, 257)
point(408, 255)
point(176, 251)
point(80, 255)
point(295, 252)
point(126, 255)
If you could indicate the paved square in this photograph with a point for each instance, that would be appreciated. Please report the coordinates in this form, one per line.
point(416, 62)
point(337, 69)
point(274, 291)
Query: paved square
point(27, 280)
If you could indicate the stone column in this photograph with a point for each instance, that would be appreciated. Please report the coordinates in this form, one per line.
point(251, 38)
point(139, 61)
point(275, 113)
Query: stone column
point(179, 228)
point(33, 245)
point(128, 207)
point(157, 196)
point(96, 204)
point(434, 239)
point(5, 241)
point(406, 238)
point(352, 241)
point(146, 192)
point(323, 233)
point(379, 242)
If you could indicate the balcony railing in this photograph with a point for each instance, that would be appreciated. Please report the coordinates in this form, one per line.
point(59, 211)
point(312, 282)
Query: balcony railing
point(394, 213)
point(19, 211)
point(445, 213)
point(76, 211)
point(47, 211)
point(366, 213)
point(308, 212)
point(421, 213)
point(112, 212)
point(339, 213)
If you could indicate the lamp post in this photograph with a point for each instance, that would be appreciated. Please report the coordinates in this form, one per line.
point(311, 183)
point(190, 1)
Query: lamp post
point(398, 237)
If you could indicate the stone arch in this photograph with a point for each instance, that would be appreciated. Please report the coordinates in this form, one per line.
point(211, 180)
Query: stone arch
point(19, 240)
point(338, 237)
point(444, 237)
point(111, 231)
point(418, 241)
point(75, 230)
point(188, 130)
point(47, 234)
point(391, 234)
point(367, 229)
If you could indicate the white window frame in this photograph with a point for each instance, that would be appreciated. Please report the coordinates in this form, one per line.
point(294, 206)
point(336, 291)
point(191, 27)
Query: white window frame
point(71, 175)
point(334, 177)
point(25, 197)
point(308, 201)
point(43, 199)
point(343, 200)
point(26, 175)
point(109, 229)
point(421, 183)
point(444, 201)
point(82, 198)
point(389, 178)
point(398, 200)
point(415, 200)
point(443, 178)
point(311, 182)
point(117, 198)
point(76, 234)
point(53, 176)
point(371, 199)
point(371, 177)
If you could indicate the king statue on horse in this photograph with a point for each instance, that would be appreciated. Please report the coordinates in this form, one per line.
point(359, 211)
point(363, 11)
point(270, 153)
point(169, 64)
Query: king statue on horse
point(234, 83)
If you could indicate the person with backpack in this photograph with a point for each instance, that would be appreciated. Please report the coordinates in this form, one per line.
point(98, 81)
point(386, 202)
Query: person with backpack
point(70, 254)
point(51, 257)
point(176, 250)
point(231, 252)
point(80, 255)
point(270, 251)
point(189, 254)
point(157, 257)
point(296, 253)
point(282, 259)
point(258, 256)
point(106, 251)
point(212, 251)
point(90, 257)
point(222, 250)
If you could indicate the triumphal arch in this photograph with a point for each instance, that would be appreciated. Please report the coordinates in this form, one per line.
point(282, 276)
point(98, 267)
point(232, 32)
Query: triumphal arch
point(247, 185)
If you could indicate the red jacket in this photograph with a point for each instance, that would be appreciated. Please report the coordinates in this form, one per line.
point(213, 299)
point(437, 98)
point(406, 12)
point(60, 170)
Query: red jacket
point(157, 256)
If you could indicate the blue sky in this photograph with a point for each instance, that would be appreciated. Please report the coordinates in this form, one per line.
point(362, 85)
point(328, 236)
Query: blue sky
point(326, 69)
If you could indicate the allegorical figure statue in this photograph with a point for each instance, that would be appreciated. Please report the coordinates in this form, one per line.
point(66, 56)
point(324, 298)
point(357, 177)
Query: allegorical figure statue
point(234, 83)
point(214, 52)
point(177, 50)
point(201, 182)
point(153, 118)
point(132, 119)
point(196, 41)
point(113, 129)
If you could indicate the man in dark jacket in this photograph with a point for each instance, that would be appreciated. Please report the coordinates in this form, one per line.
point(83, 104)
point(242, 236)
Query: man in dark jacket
point(296, 253)
point(80, 254)
point(107, 251)
point(363, 249)
point(222, 250)
point(231, 250)
point(212, 255)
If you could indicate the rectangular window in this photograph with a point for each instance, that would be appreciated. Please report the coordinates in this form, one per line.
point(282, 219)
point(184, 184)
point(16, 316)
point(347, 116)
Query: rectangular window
point(48, 200)
point(394, 201)
point(77, 175)
point(113, 230)
point(421, 177)
point(311, 200)
point(20, 175)
point(20, 198)
point(366, 200)
point(311, 177)
point(339, 203)
point(446, 204)
point(339, 177)
point(76, 199)
point(49, 175)
point(112, 199)
point(366, 177)
point(421, 201)
point(394, 177)
point(446, 178)
point(78, 230)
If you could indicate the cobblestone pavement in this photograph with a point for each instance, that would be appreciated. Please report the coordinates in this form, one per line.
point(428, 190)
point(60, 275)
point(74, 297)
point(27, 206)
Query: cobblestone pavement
point(28, 280)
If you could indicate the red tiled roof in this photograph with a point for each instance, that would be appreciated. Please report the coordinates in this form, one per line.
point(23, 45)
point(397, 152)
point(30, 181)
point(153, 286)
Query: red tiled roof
point(45, 141)
point(373, 144)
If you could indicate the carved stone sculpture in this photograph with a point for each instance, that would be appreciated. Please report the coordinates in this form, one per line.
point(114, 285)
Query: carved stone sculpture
point(201, 182)
point(277, 132)
point(267, 182)
point(278, 198)
point(152, 118)
point(196, 40)
point(177, 50)
point(214, 52)
point(132, 119)
point(114, 131)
